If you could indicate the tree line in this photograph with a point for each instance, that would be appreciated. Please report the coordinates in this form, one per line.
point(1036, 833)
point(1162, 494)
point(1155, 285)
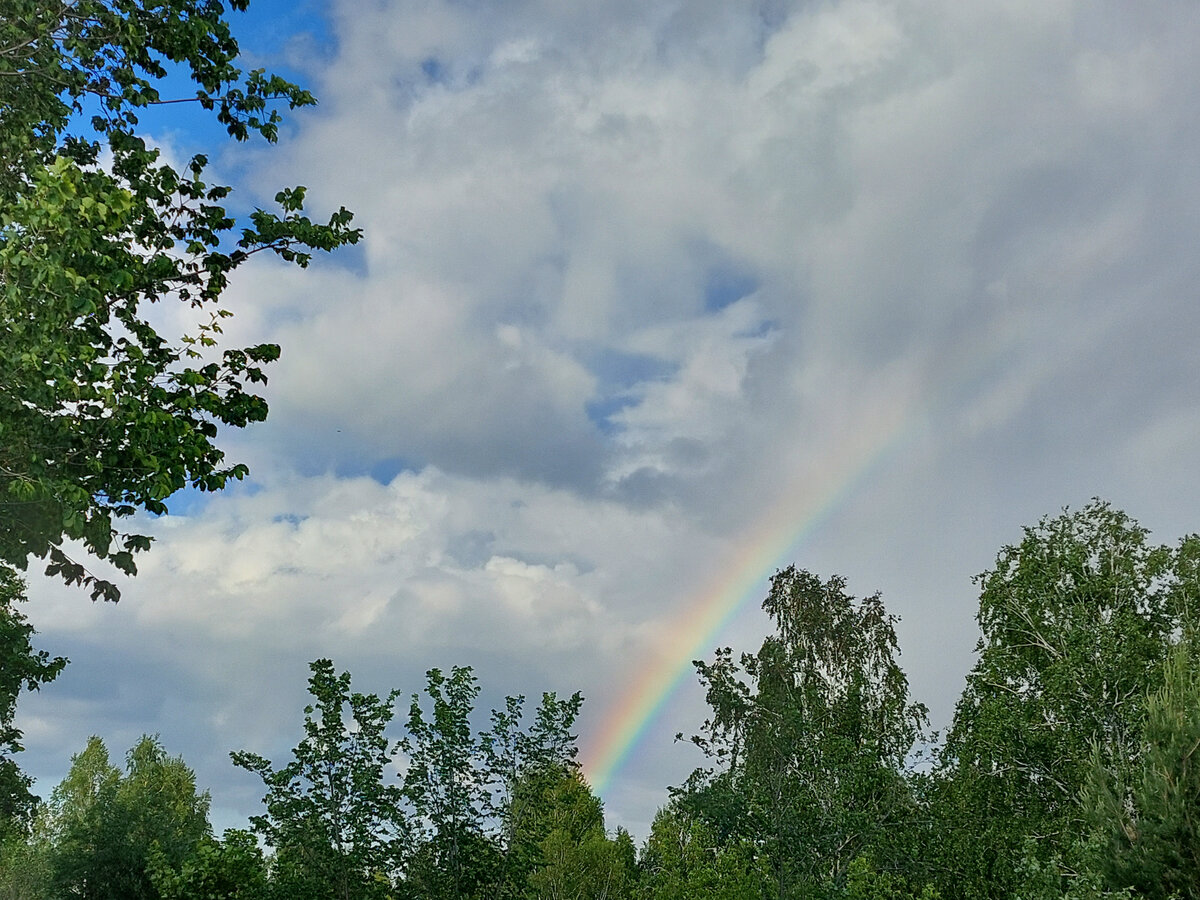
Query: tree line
point(1069, 769)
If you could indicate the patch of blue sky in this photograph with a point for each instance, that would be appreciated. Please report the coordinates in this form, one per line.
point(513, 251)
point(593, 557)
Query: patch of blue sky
point(186, 502)
point(434, 70)
point(603, 411)
point(190, 501)
point(385, 471)
point(727, 283)
point(268, 28)
point(266, 34)
point(617, 371)
point(437, 72)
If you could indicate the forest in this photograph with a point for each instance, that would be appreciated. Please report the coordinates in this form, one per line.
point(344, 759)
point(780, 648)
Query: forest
point(1068, 770)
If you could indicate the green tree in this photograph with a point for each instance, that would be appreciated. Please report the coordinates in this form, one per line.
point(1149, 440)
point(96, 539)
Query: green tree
point(865, 882)
point(446, 784)
point(456, 825)
point(105, 827)
point(811, 737)
point(517, 762)
point(577, 860)
point(100, 414)
point(230, 869)
point(1076, 620)
point(339, 830)
point(1145, 809)
point(25, 868)
point(21, 668)
point(684, 859)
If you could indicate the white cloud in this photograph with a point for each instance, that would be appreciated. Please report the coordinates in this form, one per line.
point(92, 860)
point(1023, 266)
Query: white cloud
point(637, 273)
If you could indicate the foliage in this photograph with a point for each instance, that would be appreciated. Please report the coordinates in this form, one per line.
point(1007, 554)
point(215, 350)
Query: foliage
point(333, 821)
point(108, 829)
point(100, 414)
point(1146, 809)
point(563, 822)
point(230, 869)
point(512, 756)
point(811, 735)
point(1068, 875)
point(446, 788)
point(24, 868)
point(1076, 621)
point(683, 859)
point(455, 826)
point(865, 882)
point(21, 668)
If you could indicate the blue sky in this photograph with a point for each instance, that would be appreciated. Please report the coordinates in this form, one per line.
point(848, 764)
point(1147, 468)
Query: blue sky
point(631, 269)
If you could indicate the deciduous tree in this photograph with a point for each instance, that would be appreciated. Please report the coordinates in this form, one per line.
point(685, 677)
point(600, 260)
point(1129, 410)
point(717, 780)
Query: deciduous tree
point(1076, 620)
point(21, 668)
point(229, 869)
point(446, 784)
point(518, 760)
point(105, 826)
point(336, 823)
point(101, 415)
point(683, 858)
point(810, 737)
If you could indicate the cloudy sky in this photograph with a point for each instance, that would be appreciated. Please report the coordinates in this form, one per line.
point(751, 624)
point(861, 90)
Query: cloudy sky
point(655, 297)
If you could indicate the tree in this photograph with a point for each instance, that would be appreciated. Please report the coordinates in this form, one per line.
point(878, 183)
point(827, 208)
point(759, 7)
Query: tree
point(683, 859)
point(865, 882)
point(24, 868)
point(811, 736)
point(338, 829)
point(446, 784)
point(560, 828)
point(230, 869)
point(518, 763)
point(21, 668)
point(1076, 620)
point(456, 826)
point(101, 415)
point(107, 829)
point(1145, 809)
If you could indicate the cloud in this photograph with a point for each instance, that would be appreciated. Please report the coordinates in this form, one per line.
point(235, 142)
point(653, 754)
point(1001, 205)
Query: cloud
point(637, 274)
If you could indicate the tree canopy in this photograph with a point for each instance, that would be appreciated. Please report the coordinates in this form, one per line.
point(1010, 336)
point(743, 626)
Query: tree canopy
point(21, 668)
point(1077, 621)
point(810, 736)
point(101, 415)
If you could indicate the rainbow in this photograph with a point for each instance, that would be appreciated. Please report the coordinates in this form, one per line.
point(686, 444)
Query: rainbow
point(770, 544)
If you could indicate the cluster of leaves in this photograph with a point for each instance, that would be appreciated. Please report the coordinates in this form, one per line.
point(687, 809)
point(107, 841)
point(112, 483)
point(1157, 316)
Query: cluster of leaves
point(105, 832)
point(21, 668)
point(101, 415)
point(810, 730)
point(810, 737)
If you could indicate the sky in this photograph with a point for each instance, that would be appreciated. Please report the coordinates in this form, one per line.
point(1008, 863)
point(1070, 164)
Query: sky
point(656, 297)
